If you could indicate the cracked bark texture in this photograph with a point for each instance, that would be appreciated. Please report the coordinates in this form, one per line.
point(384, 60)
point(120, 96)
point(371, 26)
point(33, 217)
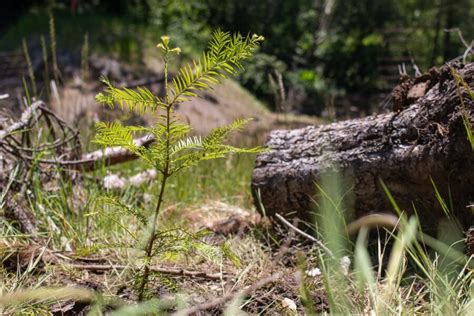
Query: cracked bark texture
point(425, 141)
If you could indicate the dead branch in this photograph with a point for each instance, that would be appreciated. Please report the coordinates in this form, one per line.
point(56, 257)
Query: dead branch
point(15, 140)
point(10, 144)
point(469, 46)
point(302, 233)
point(90, 161)
point(25, 119)
point(110, 156)
point(172, 271)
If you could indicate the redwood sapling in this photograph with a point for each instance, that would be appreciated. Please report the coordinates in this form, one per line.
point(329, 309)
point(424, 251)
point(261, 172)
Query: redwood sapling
point(175, 149)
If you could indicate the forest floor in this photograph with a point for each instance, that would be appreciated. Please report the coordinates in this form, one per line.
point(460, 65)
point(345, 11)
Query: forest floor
point(215, 252)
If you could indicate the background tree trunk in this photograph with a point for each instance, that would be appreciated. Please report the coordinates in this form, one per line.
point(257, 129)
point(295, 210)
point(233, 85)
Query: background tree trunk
point(406, 150)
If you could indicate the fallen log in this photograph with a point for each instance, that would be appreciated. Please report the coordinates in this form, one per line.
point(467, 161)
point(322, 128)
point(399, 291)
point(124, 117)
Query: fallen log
point(409, 150)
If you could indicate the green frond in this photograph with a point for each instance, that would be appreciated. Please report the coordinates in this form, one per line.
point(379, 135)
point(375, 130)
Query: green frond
point(115, 134)
point(140, 99)
point(218, 135)
point(190, 159)
point(210, 253)
point(156, 155)
point(223, 58)
point(226, 249)
point(189, 143)
point(126, 209)
point(218, 42)
point(159, 130)
point(177, 131)
point(190, 151)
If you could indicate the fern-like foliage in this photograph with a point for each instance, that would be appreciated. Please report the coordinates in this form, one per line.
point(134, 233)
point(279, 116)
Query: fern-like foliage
point(140, 99)
point(116, 135)
point(174, 148)
point(224, 58)
point(189, 151)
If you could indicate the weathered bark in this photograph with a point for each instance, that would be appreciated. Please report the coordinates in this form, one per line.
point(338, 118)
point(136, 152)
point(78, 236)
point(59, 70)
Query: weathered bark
point(405, 150)
point(470, 242)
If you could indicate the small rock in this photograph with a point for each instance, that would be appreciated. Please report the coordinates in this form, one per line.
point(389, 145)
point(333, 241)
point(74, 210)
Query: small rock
point(345, 264)
point(313, 272)
point(288, 303)
point(113, 181)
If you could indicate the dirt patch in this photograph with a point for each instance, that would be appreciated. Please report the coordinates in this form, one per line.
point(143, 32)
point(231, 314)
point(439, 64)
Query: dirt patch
point(221, 106)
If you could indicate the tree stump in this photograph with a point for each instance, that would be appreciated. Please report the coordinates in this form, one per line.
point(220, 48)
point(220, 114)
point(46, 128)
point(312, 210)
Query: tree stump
point(423, 143)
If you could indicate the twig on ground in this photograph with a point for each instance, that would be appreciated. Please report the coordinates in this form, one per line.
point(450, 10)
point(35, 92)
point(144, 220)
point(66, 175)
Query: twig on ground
point(26, 116)
point(302, 233)
point(89, 161)
point(173, 271)
point(230, 296)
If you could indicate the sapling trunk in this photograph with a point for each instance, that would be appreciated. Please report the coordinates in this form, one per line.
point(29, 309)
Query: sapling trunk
point(166, 175)
point(151, 240)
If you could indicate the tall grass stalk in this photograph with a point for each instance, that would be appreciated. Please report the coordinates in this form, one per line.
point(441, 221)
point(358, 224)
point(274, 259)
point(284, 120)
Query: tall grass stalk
point(44, 50)
point(54, 57)
point(440, 279)
point(31, 72)
point(85, 58)
point(462, 84)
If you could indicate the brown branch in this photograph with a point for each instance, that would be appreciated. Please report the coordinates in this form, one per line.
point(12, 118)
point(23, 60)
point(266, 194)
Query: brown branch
point(230, 296)
point(111, 155)
point(25, 118)
point(172, 271)
point(89, 161)
point(302, 233)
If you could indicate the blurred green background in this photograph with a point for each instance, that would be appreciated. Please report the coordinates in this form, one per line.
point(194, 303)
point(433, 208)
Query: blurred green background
point(340, 53)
